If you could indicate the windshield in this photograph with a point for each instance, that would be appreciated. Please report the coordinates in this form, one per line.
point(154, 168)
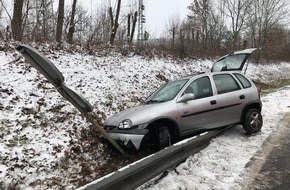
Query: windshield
point(233, 62)
point(167, 91)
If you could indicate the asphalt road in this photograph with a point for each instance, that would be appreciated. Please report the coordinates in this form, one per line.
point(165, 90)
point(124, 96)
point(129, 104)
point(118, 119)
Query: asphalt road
point(271, 169)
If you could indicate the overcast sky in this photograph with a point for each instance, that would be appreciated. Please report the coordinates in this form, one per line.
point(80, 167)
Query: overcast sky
point(158, 12)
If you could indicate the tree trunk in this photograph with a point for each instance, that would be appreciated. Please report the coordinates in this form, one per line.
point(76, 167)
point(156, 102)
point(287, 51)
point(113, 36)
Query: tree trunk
point(44, 18)
point(129, 27)
point(173, 36)
point(111, 16)
point(116, 24)
point(71, 29)
point(16, 22)
point(59, 22)
point(133, 27)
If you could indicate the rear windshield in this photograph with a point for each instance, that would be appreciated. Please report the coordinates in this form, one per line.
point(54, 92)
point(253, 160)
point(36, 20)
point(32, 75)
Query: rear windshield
point(233, 62)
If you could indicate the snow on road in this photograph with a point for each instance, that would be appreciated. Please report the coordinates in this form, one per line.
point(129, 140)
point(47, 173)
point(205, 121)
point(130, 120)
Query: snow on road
point(45, 143)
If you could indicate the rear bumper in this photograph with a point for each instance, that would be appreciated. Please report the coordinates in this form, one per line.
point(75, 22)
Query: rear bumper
point(126, 137)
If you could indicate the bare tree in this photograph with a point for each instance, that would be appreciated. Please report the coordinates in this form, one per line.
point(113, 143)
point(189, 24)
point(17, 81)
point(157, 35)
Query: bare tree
point(82, 24)
point(114, 22)
point(71, 29)
point(132, 17)
point(201, 12)
point(265, 15)
point(38, 20)
point(60, 18)
point(102, 27)
point(16, 22)
point(31, 23)
point(184, 36)
point(237, 11)
point(206, 33)
point(5, 8)
point(131, 30)
point(133, 26)
point(173, 27)
point(48, 19)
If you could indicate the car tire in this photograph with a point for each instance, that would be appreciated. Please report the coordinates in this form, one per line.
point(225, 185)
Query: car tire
point(164, 137)
point(253, 121)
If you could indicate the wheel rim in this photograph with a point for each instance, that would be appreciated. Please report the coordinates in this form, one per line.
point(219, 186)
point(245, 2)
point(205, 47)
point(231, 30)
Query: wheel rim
point(256, 121)
point(164, 139)
point(169, 141)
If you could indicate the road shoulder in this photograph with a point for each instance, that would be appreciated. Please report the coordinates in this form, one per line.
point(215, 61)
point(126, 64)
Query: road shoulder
point(270, 167)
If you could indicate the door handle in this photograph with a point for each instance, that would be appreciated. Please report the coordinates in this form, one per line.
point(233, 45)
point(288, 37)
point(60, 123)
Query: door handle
point(213, 102)
point(242, 97)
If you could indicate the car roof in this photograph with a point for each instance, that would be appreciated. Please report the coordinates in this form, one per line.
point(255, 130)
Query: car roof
point(208, 74)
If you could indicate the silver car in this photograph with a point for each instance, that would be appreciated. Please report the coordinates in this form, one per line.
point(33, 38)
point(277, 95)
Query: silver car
point(192, 104)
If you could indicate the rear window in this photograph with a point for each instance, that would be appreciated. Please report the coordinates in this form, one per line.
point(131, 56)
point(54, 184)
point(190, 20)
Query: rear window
point(243, 80)
point(225, 83)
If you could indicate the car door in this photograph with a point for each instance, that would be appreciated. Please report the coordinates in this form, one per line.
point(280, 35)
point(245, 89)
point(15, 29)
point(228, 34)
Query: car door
point(230, 99)
point(200, 112)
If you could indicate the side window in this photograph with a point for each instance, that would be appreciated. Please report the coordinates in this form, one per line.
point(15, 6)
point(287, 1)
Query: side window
point(225, 83)
point(243, 80)
point(201, 88)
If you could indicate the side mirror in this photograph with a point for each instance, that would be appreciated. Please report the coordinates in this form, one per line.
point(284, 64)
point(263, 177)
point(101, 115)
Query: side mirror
point(186, 98)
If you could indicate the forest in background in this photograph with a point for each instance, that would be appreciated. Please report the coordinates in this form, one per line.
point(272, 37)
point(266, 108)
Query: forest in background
point(212, 27)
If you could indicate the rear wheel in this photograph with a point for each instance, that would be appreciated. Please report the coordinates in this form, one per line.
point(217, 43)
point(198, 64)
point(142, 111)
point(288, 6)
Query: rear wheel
point(164, 137)
point(253, 121)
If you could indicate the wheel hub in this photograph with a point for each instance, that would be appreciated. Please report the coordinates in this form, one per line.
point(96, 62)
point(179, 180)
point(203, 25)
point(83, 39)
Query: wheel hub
point(256, 121)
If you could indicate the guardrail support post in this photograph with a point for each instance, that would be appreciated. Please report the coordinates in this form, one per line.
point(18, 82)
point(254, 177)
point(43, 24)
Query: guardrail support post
point(104, 133)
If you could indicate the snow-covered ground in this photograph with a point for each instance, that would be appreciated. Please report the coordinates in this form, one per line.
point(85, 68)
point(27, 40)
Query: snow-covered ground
point(45, 143)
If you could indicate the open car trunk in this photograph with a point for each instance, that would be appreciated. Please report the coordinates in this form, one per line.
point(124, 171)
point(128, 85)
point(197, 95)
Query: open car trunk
point(234, 61)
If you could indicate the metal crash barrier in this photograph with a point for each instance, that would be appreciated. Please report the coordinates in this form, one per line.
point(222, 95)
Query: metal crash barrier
point(137, 173)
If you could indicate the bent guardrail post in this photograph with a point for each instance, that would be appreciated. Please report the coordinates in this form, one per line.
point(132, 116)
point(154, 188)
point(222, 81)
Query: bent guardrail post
point(55, 77)
point(101, 130)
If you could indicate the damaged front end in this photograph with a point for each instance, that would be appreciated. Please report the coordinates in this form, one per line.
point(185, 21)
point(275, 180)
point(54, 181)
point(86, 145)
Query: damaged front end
point(127, 137)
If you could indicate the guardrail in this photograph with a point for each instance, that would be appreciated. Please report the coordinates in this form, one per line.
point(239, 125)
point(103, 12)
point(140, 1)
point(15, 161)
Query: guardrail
point(139, 172)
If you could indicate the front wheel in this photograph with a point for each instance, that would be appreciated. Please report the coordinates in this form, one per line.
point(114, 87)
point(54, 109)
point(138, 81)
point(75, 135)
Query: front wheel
point(253, 121)
point(164, 138)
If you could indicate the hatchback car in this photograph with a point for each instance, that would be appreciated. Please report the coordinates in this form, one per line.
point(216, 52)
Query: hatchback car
point(192, 104)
